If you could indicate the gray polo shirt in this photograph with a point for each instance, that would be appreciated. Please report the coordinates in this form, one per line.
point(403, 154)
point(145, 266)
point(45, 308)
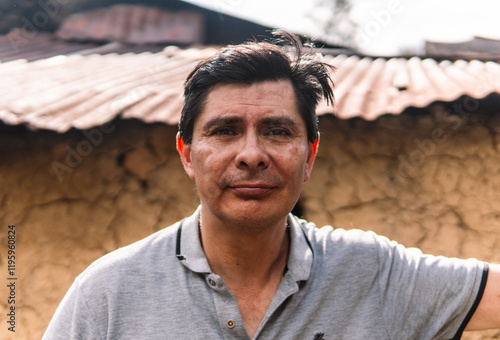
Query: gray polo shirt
point(338, 284)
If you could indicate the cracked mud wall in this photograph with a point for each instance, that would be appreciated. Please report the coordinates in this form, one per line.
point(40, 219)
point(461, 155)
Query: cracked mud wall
point(129, 185)
point(430, 181)
point(384, 176)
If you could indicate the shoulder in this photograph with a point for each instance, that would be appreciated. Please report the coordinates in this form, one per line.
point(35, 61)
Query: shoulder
point(112, 286)
point(327, 239)
point(355, 245)
point(358, 247)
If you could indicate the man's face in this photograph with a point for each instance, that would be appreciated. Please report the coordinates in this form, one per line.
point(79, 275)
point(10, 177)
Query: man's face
point(249, 154)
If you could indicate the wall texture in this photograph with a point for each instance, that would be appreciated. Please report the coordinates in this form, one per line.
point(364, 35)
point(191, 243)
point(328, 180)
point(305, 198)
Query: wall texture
point(428, 180)
point(111, 191)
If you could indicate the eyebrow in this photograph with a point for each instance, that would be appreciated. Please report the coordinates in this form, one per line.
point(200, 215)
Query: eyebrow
point(279, 121)
point(271, 121)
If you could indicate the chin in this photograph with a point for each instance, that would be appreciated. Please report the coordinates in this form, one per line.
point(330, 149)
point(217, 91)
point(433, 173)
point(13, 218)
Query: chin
point(256, 216)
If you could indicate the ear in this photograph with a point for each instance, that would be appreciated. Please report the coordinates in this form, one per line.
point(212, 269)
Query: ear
point(184, 151)
point(311, 156)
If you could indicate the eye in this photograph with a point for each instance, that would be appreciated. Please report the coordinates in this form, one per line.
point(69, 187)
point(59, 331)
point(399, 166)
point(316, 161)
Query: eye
point(278, 132)
point(223, 132)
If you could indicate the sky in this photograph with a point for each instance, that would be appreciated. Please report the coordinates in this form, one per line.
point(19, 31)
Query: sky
point(384, 27)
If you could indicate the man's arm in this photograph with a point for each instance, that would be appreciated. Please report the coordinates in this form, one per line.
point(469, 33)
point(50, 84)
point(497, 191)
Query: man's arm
point(487, 314)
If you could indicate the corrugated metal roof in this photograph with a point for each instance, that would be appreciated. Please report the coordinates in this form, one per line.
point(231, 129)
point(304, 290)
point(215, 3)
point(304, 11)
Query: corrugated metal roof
point(33, 46)
point(42, 45)
point(369, 88)
point(80, 91)
point(134, 24)
point(478, 47)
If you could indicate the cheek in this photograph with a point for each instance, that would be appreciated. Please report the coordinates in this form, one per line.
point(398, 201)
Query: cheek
point(208, 162)
point(293, 161)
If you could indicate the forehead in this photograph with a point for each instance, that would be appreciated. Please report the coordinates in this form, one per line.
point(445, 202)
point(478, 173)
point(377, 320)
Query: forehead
point(255, 101)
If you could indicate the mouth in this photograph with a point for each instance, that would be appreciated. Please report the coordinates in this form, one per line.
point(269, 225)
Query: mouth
point(252, 189)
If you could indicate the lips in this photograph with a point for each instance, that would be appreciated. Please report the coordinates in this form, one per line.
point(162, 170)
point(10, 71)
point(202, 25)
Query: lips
point(251, 189)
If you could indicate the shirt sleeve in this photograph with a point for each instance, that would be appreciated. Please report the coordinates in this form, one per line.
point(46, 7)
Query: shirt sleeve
point(427, 297)
point(73, 319)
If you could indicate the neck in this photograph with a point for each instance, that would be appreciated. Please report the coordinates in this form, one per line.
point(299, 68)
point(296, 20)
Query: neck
point(245, 255)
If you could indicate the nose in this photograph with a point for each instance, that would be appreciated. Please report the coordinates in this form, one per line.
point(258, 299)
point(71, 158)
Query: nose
point(252, 154)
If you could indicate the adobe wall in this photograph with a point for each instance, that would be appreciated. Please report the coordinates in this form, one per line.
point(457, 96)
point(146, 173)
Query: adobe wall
point(114, 190)
point(123, 188)
point(430, 181)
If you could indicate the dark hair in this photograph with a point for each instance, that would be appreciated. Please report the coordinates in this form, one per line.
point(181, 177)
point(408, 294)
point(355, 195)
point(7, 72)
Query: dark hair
point(254, 62)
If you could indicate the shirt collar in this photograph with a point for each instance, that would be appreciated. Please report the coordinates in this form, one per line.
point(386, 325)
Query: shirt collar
point(191, 253)
point(301, 254)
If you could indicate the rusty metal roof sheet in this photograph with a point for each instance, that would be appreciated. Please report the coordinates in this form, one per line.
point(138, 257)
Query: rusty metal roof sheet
point(78, 91)
point(134, 24)
point(478, 47)
point(42, 45)
point(33, 46)
point(83, 91)
point(369, 88)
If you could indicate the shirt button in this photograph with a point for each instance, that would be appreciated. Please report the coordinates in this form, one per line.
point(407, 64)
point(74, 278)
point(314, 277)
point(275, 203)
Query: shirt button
point(230, 323)
point(211, 282)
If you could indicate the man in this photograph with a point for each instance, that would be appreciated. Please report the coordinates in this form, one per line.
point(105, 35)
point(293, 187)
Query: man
point(242, 266)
